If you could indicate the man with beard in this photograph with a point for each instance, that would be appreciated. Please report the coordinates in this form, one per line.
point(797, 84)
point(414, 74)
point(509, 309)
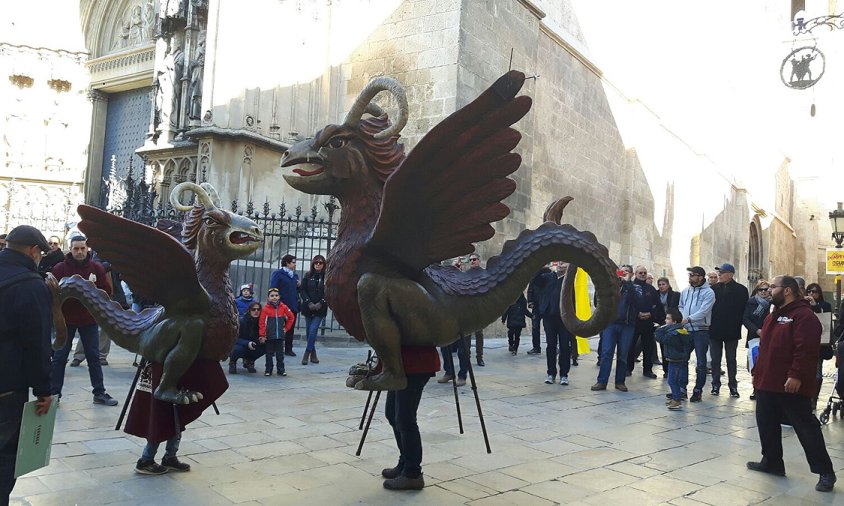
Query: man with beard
point(696, 303)
point(725, 331)
point(784, 378)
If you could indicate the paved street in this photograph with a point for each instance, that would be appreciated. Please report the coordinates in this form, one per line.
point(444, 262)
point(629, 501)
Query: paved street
point(293, 440)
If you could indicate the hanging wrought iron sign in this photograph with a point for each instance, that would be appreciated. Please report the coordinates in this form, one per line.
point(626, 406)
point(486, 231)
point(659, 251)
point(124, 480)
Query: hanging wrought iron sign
point(803, 67)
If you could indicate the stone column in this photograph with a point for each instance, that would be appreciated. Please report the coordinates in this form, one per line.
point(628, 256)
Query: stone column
point(94, 175)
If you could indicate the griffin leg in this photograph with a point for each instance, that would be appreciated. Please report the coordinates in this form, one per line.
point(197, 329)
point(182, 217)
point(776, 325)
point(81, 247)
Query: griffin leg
point(177, 362)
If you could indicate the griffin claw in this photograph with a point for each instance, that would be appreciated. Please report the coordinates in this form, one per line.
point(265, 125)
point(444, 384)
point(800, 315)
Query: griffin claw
point(382, 381)
point(179, 397)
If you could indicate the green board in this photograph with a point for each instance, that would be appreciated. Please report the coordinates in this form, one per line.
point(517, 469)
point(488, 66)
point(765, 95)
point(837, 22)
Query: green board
point(35, 440)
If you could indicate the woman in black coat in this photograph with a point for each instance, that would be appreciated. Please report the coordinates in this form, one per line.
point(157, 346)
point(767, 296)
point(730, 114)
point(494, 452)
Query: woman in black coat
point(247, 347)
point(514, 318)
point(814, 295)
point(669, 300)
point(313, 305)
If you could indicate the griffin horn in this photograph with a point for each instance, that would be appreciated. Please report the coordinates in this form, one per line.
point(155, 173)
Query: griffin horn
point(206, 199)
point(362, 103)
point(215, 198)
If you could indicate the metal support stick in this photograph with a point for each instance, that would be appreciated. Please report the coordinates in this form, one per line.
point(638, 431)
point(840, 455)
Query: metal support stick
point(216, 410)
point(477, 399)
point(368, 422)
point(450, 359)
point(368, 397)
point(131, 392)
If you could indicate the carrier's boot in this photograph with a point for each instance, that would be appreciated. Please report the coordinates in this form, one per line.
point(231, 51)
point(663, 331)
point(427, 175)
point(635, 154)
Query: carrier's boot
point(314, 359)
point(305, 357)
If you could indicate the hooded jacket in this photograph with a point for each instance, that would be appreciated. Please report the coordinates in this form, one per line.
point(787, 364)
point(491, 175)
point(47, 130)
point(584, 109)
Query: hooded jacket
point(789, 348)
point(25, 323)
point(275, 321)
point(74, 312)
point(696, 305)
point(677, 342)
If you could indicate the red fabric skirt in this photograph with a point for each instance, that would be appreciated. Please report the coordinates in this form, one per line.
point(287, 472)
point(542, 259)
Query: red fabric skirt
point(155, 420)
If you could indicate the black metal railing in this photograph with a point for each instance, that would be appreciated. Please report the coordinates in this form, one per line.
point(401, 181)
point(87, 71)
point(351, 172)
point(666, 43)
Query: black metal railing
point(299, 234)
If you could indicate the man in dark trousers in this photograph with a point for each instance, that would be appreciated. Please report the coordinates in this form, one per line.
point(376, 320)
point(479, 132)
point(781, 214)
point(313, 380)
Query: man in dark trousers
point(25, 323)
point(80, 261)
point(650, 311)
point(287, 282)
point(534, 289)
point(725, 329)
point(557, 336)
point(785, 383)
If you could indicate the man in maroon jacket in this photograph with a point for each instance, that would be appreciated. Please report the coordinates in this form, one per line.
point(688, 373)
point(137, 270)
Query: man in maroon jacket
point(784, 378)
point(79, 261)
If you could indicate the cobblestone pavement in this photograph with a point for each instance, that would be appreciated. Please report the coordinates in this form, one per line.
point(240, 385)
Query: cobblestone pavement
point(292, 440)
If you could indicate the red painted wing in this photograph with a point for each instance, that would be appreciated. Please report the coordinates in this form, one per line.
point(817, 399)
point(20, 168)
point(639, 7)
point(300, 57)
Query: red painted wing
point(153, 263)
point(444, 196)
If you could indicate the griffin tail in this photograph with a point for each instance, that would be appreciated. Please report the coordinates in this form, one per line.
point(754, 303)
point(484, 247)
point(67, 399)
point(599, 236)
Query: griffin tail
point(122, 326)
point(481, 296)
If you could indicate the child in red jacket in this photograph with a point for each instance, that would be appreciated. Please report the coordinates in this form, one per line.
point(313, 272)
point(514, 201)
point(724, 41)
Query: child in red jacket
point(276, 319)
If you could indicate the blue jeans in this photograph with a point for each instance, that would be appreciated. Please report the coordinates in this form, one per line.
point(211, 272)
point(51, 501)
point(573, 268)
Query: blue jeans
point(170, 449)
point(462, 358)
point(90, 337)
point(312, 323)
point(678, 376)
point(617, 334)
point(701, 338)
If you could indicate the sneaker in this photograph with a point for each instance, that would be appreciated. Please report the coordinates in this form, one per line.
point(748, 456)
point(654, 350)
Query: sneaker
point(564, 380)
point(649, 374)
point(150, 467)
point(289, 353)
point(446, 378)
point(826, 482)
point(716, 389)
point(674, 405)
point(105, 399)
point(402, 482)
point(549, 380)
point(695, 397)
point(281, 372)
point(75, 362)
point(481, 362)
point(250, 368)
point(598, 386)
point(535, 351)
point(173, 464)
point(103, 362)
point(574, 362)
point(461, 381)
point(734, 393)
point(621, 387)
point(232, 368)
point(268, 373)
point(763, 468)
point(513, 352)
point(683, 396)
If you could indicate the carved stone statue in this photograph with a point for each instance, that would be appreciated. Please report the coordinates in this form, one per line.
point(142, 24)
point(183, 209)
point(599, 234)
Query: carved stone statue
point(168, 84)
point(404, 214)
point(196, 70)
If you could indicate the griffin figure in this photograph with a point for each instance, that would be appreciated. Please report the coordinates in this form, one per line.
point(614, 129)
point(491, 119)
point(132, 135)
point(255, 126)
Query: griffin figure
point(197, 316)
point(403, 215)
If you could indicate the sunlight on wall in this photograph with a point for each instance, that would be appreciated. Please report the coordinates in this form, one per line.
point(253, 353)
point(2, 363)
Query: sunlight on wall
point(281, 43)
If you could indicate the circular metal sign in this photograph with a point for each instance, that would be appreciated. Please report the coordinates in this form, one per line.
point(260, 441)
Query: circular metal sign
point(802, 68)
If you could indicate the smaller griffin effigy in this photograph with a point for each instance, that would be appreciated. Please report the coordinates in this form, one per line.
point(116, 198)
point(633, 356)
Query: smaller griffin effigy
point(196, 319)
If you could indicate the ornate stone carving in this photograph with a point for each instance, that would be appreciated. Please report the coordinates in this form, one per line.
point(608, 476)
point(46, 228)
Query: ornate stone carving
point(123, 61)
point(196, 71)
point(168, 82)
point(137, 25)
point(204, 160)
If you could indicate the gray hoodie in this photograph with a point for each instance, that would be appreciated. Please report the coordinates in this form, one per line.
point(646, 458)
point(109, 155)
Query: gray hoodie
point(696, 305)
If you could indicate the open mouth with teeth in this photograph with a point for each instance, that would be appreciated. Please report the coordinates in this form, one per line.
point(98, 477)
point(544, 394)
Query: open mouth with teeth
point(308, 169)
point(242, 238)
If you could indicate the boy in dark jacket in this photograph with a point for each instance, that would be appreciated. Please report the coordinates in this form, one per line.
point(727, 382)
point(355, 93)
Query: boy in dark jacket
point(514, 318)
point(679, 345)
point(276, 319)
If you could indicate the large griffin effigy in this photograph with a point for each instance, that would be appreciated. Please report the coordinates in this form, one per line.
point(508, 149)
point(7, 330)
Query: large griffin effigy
point(403, 215)
point(196, 316)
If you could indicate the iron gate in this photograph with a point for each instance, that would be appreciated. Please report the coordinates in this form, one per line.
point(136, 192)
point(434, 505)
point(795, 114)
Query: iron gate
point(297, 233)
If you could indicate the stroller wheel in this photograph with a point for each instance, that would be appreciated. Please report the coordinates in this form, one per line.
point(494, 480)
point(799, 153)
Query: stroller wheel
point(824, 417)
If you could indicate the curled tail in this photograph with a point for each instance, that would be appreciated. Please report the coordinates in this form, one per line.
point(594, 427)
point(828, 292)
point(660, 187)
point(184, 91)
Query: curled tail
point(488, 293)
point(123, 327)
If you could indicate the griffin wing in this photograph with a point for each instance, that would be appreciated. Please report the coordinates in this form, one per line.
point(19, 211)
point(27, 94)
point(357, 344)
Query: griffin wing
point(448, 191)
point(152, 262)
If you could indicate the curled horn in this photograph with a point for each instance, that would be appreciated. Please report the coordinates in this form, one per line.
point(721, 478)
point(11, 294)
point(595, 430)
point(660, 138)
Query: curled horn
point(215, 198)
point(376, 86)
point(201, 193)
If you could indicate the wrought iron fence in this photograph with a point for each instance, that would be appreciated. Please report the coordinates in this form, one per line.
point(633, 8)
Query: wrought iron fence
point(300, 234)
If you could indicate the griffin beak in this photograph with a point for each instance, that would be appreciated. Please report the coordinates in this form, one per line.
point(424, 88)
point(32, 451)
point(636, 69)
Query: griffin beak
point(306, 161)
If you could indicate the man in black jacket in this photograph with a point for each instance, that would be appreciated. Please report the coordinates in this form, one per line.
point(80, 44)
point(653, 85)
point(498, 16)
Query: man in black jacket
point(557, 336)
point(650, 311)
point(25, 322)
point(725, 329)
point(534, 289)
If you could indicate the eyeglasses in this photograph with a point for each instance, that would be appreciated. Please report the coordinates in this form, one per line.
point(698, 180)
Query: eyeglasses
point(812, 291)
point(254, 309)
point(319, 262)
point(53, 244)
point(474, 259)
point(763, 289)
